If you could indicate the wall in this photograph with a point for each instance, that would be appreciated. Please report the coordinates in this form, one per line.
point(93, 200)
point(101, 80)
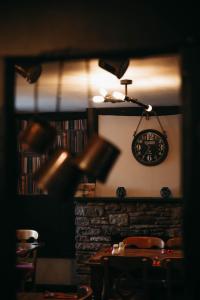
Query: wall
point(140, 180)
point(102, 222)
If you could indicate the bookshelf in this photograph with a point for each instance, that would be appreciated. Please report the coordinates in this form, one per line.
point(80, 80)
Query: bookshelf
point(72, 135)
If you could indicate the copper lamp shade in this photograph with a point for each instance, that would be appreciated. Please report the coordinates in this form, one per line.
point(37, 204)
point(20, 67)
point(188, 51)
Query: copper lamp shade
point(59, 176)
point(98, 158)
point(117, 67)
point(38, 136)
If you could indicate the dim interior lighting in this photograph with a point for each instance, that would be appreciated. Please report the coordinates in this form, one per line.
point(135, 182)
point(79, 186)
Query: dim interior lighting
point(61, 173)
point(115, 66)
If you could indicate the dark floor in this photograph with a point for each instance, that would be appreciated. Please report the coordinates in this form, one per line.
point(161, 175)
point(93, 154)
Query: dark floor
point(158, 293)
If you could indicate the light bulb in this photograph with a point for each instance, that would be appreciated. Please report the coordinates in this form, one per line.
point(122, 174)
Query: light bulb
point(118, 95)
point(103, 92)
point(149, 108)
point(98, 99)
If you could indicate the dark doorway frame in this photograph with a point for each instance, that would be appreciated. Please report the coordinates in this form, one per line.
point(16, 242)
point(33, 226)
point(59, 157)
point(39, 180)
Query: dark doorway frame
point(190, 163)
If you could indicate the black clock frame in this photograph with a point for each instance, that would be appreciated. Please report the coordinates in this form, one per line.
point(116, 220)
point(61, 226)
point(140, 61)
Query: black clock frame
point(165, 150)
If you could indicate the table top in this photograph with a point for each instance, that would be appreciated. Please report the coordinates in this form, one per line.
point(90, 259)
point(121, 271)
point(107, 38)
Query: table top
point(154, 254)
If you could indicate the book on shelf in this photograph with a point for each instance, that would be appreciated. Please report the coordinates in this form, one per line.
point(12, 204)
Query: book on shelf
point(71, 135)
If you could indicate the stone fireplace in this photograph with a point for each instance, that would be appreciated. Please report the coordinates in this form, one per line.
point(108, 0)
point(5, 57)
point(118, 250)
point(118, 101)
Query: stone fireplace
point(100, 222)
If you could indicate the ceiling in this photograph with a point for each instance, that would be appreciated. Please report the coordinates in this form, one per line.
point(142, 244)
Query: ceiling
point(155, 81)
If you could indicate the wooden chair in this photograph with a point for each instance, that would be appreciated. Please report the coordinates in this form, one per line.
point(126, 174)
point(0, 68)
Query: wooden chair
point(26, 263)
point(25, 235)
point(174, 243)
point(175, 277)
point(125, 277)
point(143, 242)
point(84, 292)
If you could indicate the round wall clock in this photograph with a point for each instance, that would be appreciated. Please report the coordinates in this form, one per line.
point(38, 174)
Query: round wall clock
point(150, 147)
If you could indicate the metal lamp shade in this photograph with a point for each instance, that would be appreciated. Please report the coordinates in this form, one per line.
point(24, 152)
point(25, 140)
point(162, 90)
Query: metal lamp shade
point(38, 136)
point(98, 158)
point(30, 72)
point(59, 176)
point(115, 66)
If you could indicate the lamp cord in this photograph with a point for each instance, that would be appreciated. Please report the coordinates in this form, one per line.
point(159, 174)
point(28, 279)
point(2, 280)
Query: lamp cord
point(59, 86)
point(36, 89)
point(91, 129)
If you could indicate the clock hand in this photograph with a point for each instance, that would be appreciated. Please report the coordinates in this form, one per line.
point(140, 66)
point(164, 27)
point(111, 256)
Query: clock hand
point(148, 149)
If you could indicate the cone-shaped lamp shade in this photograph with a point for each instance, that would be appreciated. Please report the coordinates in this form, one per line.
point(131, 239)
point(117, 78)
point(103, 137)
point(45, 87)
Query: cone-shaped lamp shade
point(38, 136)
point(117, 67)
point(59, 176)
point(98, 158)
point(30, 72)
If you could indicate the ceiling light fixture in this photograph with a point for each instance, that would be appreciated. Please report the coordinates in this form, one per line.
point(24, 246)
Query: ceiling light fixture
point(39, 135)
point(117, 97)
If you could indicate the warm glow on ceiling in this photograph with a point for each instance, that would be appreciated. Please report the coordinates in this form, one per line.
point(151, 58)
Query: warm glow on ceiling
point(154, 79)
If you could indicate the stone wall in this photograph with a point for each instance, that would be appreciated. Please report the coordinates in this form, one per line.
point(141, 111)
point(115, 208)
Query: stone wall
point(103, 221)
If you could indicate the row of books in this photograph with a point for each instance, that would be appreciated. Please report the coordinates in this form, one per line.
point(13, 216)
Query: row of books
point(29, 164)
point(73, 141)
point(71, 135)
point(59, 125)
point(28, 186)
point(70, 124)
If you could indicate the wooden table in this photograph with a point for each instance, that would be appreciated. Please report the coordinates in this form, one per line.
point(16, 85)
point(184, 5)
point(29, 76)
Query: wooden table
point(97, 270)
point(31, 296)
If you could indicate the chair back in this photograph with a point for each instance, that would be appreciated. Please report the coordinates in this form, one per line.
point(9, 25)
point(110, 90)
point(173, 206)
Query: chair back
point(26, 234)
point(84, 292)
point(125, 277)
point(174, 243)
point(144, 242)
point(27, 259)
point(175, 276)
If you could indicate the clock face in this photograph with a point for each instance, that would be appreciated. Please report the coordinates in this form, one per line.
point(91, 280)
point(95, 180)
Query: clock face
point(150, 147)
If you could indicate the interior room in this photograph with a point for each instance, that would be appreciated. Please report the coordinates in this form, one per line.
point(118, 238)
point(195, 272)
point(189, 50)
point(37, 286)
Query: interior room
point(116, 153)
point(156, 81)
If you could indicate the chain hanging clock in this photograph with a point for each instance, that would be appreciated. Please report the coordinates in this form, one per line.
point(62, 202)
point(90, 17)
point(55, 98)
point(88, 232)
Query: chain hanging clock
point(150, 147)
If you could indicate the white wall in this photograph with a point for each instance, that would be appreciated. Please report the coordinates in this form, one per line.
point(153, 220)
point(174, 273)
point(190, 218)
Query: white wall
point(140, 180)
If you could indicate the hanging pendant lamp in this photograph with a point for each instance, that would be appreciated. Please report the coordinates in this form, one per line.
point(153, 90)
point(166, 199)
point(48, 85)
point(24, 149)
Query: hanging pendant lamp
point(59, 176)
point(39, 135)
point(98, 158)
point(31, 72)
